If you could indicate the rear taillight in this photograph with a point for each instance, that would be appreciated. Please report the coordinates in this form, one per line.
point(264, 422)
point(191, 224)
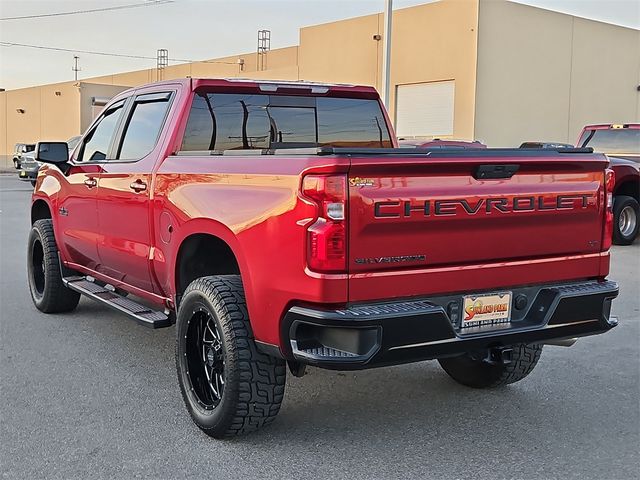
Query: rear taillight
point(327, 236)
point(609, 182)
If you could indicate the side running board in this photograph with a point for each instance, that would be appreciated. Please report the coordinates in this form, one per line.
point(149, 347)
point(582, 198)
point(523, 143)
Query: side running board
point(138, 312)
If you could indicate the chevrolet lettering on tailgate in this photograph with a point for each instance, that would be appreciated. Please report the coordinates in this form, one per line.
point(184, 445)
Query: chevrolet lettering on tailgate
point(407, 208)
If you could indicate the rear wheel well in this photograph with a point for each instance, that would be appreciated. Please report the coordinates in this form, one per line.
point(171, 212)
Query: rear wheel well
point(201, 255)
point(629, 188)
point(39, 211)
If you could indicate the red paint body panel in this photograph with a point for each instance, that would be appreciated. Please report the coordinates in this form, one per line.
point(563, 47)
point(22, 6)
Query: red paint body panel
point(260, 215)
point(253, 204)
point(477, 277)
point(625, 167)
point(80, 230)
point(457, 237)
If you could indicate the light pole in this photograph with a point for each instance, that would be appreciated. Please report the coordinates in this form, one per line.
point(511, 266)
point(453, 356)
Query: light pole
point(386, 54)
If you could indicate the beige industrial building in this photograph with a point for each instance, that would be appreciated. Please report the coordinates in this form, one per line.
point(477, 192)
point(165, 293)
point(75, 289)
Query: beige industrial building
point(492, 70)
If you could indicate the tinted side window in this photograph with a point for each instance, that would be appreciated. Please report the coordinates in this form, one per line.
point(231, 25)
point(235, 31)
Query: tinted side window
point(143, 129)
point(96, 145)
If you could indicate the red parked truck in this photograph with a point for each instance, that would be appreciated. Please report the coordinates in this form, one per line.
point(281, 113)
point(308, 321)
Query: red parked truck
point(278, 223)
point(621, 143)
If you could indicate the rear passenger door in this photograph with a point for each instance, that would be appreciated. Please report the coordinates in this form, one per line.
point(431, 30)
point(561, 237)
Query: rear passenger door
point(124, 186)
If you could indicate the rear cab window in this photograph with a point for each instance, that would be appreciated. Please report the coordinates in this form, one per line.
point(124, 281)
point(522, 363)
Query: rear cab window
point(225, 121)
point(620, 141)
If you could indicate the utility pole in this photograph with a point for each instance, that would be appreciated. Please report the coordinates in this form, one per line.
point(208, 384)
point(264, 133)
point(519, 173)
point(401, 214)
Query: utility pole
point(162, 62)
point(75, 66)
point(386, 54)
point(264, 45)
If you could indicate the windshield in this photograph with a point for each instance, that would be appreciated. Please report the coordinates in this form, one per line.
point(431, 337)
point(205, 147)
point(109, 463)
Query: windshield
point(73, 141)
point(220, 121)
point(621, 141)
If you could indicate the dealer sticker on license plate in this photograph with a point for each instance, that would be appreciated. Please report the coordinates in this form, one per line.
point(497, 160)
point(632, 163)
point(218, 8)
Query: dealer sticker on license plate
point(481, 310)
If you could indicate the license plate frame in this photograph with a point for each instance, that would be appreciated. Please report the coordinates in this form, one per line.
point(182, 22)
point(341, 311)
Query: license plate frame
point(486, 310)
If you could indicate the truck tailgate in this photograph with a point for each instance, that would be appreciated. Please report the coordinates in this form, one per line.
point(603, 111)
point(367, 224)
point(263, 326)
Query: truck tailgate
point(450, 209)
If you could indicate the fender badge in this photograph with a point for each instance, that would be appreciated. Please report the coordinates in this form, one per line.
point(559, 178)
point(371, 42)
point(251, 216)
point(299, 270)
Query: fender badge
point(361, 182)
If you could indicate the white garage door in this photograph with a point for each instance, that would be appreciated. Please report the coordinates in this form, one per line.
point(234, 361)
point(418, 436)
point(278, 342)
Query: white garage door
point(425, 109)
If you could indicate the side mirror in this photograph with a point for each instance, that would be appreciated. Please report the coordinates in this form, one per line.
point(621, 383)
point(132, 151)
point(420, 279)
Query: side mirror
point(52, 152)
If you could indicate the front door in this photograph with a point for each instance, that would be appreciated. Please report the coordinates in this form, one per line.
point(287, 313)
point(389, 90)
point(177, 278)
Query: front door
point(76, 215)
point(123, 199)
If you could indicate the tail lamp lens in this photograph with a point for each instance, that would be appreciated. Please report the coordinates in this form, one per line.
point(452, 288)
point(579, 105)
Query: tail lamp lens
point(609, 182)
point(327, 236)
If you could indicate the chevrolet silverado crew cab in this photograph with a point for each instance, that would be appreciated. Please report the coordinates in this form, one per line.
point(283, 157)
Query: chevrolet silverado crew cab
point(277, 224)
point(621, 143)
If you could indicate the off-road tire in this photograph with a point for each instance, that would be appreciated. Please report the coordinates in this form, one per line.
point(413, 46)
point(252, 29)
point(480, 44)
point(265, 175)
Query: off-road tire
point(473, 372)
point(48, 293)
point(253, 382)
point(629, 205)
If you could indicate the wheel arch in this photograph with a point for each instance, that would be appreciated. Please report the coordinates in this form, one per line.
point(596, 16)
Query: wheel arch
point(629, 187)
point(207, 251)
point(40, 210)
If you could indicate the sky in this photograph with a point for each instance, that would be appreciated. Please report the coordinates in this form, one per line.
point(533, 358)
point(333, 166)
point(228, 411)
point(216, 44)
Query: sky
point(190, 30)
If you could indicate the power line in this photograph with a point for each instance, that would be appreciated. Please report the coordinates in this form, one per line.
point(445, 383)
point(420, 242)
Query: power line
point(107, 54)
point(77, 12)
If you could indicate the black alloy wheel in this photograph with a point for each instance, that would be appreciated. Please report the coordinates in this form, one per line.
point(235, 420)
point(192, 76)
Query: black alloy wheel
point(206, 358)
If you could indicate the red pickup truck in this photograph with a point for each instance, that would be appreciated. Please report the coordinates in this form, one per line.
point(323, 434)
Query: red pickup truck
point(621, 143)
point(278, 223)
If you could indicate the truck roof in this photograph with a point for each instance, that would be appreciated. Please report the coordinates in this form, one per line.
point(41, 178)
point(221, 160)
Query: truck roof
point(270, 86)
point(604, 126)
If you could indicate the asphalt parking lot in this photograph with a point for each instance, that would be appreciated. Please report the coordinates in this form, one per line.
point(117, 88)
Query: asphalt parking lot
point(94, 395)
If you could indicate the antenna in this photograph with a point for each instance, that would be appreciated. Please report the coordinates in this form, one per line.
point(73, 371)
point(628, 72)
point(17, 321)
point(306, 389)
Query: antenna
point(75, 67)
point(264, 45)
point(162, 62)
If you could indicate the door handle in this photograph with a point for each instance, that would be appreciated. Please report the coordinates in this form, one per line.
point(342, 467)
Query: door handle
point(90, 182)
point(138, 186)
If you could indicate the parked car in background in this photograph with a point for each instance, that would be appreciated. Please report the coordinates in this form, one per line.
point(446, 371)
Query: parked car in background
point(19, 150)
point(545, 145)
point(29, 166)
point(439, 143)
point(29, 169)
point(621, 143)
